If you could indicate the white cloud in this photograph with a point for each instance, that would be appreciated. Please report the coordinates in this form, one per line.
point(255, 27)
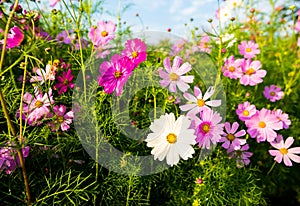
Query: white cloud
point(176, 5)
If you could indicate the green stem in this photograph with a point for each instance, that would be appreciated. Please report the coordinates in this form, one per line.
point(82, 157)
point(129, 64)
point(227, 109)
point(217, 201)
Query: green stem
point(272, 168)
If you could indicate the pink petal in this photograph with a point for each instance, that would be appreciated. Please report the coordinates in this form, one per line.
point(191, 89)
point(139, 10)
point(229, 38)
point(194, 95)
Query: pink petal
point(187, 79)
point(167, 64)
point(197, 92)
point(186, 67)
point(210, 91)
point(293, 157)
point(187, 107)
point(288, 142)
point(287, 161)
point(295, 150)
point(213, 103)
point(176, 64)
point(182, 86)
point(189, 97)
point(172, 86)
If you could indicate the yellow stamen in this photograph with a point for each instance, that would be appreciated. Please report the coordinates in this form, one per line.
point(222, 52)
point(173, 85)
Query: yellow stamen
point(272, 94)
point(200, 102)
point(246, 113)
point(104, 33)
point(134, 54)
point(230, 137)
point(173, 77)
point(250, 71)
point(283, 151)
point(118, 74)
point(248, 49)
point(262, 124)
point(60, 119)
point(171, 138)
point(205, 128)
point(38, 104)
point(231, 68)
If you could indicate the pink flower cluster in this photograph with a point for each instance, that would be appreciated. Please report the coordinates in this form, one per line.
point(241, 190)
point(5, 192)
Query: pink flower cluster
point(14, 38)
point(9, 159)
point(114, 74)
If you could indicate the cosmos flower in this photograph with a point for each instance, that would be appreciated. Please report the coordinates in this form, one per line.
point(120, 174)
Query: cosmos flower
point(114, 78)
point(44, 75)
point(53, 2)
point(208, 128)
point(174, 75)
point(285, 152)
point(241, 155)
point(61, 119)
point(273, 93)
point(64, 37)
point(171, 139)
point(178, 46)
point(252, 73)
point(248, 49)
point(199, 102)
point(135, 49)
point(103, 33)
point(65, 82)
point(262, 125)
point(283, 117)
point(14, 38)
point(245, 111)
point(231, 137)
point(223, 14)
point(232, 68)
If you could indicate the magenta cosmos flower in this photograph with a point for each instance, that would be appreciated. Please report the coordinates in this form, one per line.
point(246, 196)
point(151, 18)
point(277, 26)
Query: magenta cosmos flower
point(248, 49)
point(199, 102)
point(103, 33)
point(116, 76)
point(284, 152)
point(61, 119)
point(252, 73)
point(245, 111)
point(262, 126)
point(135, 49)
point(241, 155)
point(64, 37)
point(14, 37)
point(44, 75)
point(65, 82)
point(273, 93)
point(173, 77)
point(208, 128)
point(232, 68)
point(231, 137)
point(283, 117)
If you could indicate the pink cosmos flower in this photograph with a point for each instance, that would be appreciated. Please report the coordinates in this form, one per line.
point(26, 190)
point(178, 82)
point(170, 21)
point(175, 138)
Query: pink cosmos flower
point(232, 68)
point(173, 76)
point(242, 155)
point(273, 93)
point(262, 126)
point(245, 111)
point(297, 26)
point(14, 38)
point(248, 49)
point(177, 47)
point(284, 152)
point(135, 50)
point(253, 74)
point(103, 33)
point(283, 117)
point(204, 44)
point(208, 128)
point(116, 76)
point(65, 82)
point(62, 119)
point(231, 137)
point(43, 75)
point(53, 2)
point(64, 37)
point(199, 102)
point(9, 159)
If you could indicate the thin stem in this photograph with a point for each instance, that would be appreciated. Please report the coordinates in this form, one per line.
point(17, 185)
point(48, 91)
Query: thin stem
point(272, 167)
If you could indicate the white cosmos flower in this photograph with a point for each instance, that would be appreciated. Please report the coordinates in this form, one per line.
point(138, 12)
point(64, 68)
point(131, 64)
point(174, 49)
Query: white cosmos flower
point(171, 139)
point(232, 4)
point(225, 14)
point(227, 38)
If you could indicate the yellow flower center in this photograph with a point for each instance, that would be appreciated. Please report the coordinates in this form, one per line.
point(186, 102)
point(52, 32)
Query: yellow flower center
point(234, 4)
point(173, 77)
point(230, 137)
point(60, 119)
point(205, 45)
point(283, 151)
point(246, 113)
point(231, 68)
point(171, 138)
point(104, 33)
point(250, 71)
point(66, 82)
point(134, 54)
point(272, 94)
point(38, 104)
point(262, 124)
point(248, 50)
point(118, 74)
point(200, 102)
point(205, 128)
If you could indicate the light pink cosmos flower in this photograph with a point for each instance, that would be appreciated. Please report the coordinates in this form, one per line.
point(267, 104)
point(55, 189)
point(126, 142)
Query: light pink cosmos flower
point(178, 46)
point(115, 77)
point(248, 49)
point(231, 137)
point(173, 77)
point(252, 73)
point(204, 44)
point(199, 102)
point(297, 26)
point(14, 38)
point(65, 82)
point(208, 128)
point(283, 117)
point(44, 75)
point(245, 111)
point(232, 68)
point(135, 49)
point(241, 155)
point(273, 93)
point(103, 33)
point(262, 125)
point(53, 2)
point(61, 119)
point(284, 152)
